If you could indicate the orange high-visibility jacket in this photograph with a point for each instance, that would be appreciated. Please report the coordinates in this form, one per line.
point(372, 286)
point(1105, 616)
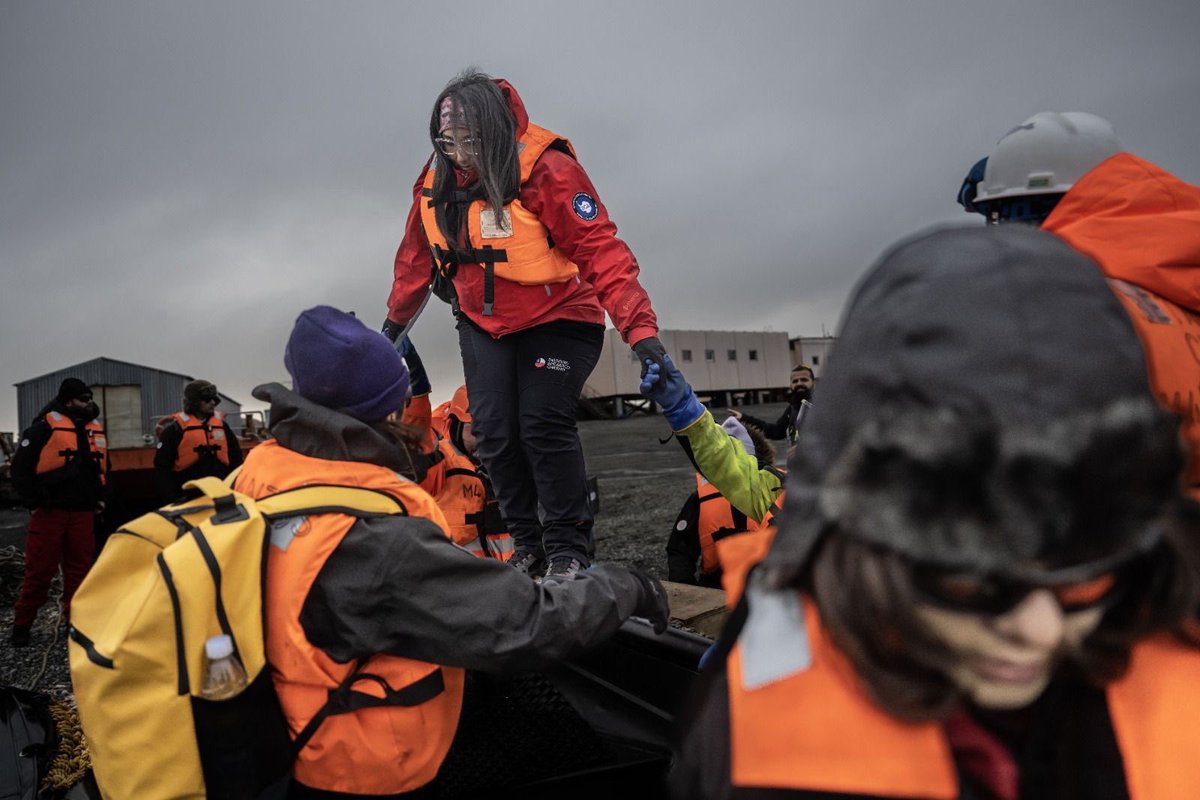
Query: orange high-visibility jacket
point(833, 738)
point(1142, 225)
point(381, 750)
point(63, 445)
point(517, 248)
point(200, 437)
point(462, 495)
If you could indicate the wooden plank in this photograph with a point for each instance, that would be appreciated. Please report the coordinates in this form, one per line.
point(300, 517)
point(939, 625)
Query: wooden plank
point(698, 607)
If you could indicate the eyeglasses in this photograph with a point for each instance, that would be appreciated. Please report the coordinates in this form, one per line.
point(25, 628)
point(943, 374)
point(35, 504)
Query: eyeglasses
point(468, 146)
point(210, 399)
point(85, 398)
point(992, 594)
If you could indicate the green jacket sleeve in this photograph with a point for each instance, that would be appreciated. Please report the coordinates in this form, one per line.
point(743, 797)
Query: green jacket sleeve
point(725, 463)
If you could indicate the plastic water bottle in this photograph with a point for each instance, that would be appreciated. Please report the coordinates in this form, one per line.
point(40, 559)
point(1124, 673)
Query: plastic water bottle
point(224, 675)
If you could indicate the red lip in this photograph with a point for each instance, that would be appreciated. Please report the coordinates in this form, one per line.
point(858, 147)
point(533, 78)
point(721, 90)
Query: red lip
point(1009, 672)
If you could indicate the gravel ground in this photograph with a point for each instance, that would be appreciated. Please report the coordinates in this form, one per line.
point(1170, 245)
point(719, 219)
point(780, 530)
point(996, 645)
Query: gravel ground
point(642, 485)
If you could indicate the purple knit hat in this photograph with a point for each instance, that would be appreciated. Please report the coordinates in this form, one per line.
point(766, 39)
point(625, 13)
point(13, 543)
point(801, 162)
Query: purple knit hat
point(338, 362)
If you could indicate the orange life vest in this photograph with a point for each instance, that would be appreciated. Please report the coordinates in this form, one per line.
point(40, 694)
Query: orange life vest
point(1142, 226)
point(718, 519)
point(382, 750)
point(462, 495)
point(837, 740)
point(63, 445)
point(200, 437)
point(517, 248)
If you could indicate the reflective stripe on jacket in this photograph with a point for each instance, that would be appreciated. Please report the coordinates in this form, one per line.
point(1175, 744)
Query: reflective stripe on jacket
point(517, 248)
point(200, 438)
point(835, 739)
point(375, 751)
point(63, 446)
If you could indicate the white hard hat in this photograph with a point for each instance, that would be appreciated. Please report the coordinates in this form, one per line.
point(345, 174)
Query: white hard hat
point(1046, 154)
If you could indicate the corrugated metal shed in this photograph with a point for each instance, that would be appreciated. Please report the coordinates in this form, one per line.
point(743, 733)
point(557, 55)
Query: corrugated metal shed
point(144, 392)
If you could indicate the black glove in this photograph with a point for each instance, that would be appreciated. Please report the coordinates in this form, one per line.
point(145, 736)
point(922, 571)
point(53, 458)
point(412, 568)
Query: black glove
point(650, 349)
point(418, 378)
point(652, 604)
point(391, 329)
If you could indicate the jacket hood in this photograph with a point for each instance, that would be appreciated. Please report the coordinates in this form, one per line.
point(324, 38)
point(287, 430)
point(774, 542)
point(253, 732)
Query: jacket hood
point(515, 104)
point(314, 430)
point(961, 353)
point(1141, 224)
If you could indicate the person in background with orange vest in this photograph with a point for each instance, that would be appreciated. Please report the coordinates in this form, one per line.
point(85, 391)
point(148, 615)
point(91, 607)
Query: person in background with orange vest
point(58, 471)
point(357, 604)
point(707, 517)
point(976, 584)
point(509, 226)
point(460, 484)
point(196, 443)
point(1068, 173)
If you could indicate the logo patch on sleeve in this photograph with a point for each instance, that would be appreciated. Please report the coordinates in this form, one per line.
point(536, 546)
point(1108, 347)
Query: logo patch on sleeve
point(585, 206)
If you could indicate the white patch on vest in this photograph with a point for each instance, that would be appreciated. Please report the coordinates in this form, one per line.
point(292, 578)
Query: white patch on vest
point(284, 530)
point(183, 415)
point(158, 446)
point(681, 525)
point(101, 441)
point(219, 435)
point(24, 443)
point(774, 640)
point(488, 228)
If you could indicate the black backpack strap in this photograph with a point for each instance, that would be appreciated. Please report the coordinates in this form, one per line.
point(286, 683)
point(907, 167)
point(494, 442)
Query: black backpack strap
point(344, 700)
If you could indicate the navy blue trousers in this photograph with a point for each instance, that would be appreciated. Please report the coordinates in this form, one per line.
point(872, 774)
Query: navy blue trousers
point(524, 391)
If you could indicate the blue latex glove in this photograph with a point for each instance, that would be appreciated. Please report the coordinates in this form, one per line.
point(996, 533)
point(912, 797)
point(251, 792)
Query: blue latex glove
point(672, 393)
point(418, 378)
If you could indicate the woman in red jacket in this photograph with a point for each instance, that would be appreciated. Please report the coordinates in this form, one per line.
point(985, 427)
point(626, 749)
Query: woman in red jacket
point(508, 228)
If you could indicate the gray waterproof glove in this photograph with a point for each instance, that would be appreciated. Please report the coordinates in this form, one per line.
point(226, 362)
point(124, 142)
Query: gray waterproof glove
point(652, 350)
point(652, 605)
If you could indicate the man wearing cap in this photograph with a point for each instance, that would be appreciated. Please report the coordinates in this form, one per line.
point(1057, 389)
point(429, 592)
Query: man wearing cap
point(383, 595)
point(197, 442)
point(58, 470)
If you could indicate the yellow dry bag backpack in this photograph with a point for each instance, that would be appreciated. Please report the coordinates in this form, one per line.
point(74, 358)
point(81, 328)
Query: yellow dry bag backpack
point(164, 585)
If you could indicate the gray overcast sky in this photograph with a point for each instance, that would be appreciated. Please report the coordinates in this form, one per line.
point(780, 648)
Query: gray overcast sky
point(179, 180)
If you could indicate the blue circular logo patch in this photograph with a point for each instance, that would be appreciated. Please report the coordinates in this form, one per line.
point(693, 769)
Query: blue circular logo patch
point(585, 207)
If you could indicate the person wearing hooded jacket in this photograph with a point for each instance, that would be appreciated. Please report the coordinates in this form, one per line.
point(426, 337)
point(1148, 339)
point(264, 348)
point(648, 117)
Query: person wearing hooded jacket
point(1068, 173)
point(509, 225)
point(58, 471)
point(195, 443)
point(381, 598)
point(977, 582)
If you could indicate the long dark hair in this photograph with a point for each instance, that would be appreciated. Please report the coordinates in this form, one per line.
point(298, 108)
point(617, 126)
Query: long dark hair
point(1095, 477)
point(490, 119)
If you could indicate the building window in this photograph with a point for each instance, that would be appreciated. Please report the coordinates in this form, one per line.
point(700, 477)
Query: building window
point(816, 361)
point(732, 354)
point(754, 355)
point(686, 355)
point(710, 355)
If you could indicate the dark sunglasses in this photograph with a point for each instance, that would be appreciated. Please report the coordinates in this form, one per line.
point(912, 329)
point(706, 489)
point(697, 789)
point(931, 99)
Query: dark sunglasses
point(86, 398)
point(992, 594)
point(210, 399)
